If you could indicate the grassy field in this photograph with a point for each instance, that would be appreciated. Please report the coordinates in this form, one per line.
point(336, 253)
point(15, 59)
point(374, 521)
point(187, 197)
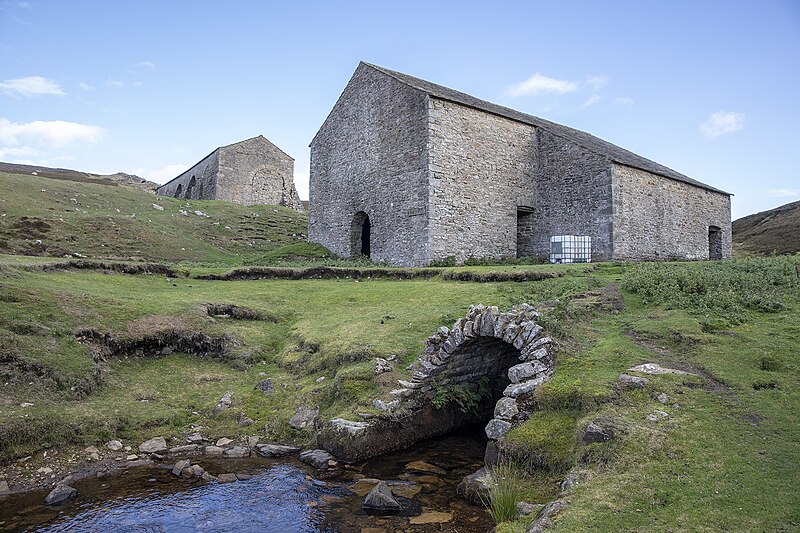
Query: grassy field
point(725, 459)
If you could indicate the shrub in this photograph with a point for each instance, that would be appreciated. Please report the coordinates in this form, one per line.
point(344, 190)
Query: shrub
point(719, 290)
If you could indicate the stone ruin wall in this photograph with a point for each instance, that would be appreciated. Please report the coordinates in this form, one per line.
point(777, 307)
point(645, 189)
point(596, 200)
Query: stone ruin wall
point(661, 218)
point(481, 169)
point(370, 156)
point(256, 172)
point(205, 188)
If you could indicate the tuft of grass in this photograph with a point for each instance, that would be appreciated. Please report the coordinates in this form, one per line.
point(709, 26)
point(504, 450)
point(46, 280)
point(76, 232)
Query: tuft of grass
point(505, 490)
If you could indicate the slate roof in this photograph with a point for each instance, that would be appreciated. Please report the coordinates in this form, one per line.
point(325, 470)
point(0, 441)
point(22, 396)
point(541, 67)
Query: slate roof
point(581, 138)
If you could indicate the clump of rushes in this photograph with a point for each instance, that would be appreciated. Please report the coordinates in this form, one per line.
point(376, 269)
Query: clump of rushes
point(505, 489)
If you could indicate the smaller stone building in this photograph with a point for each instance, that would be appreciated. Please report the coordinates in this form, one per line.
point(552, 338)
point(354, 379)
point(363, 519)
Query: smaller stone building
point(253, 171)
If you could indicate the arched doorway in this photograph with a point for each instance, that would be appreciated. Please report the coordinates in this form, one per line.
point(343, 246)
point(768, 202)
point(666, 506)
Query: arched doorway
point(190, 188)
point(361, 235)
point(178, 191)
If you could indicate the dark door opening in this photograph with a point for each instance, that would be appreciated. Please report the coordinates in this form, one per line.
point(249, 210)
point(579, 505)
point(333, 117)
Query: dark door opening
point(365, 230)
point(524, 232)
point(714, 243)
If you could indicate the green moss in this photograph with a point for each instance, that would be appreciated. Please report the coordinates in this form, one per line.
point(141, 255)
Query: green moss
point(547, 439)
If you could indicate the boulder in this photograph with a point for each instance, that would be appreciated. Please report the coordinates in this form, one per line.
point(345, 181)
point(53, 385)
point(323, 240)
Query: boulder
point(521, 371)
point(184, 450)
point(596, 433)
point(382, 365)
point(570, 481)
point(114, 445)
point(656, 369)
point(380, 405)
point(236, 452)
point(316, 458)
point(632, 382)
point(497, 428)
point(194, 471)
point(214, 451)
point(275, 450)
point(154, 445)
point(5, 490)
point(662, 398)
point(381, 499)
point(544, 518)
point(265, 386)
point(227, 478)
point(60, 494)
point(179, 466)
point(245, 421)
point(527, 508)
point(224, 441)
point(223, 403)
point(506, 409)
point(475, 487)
point(195, 438)
point(304, 417)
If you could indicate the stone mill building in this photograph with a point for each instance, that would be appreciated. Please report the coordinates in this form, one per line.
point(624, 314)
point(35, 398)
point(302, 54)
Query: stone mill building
point(410, 172)
point(253, 171)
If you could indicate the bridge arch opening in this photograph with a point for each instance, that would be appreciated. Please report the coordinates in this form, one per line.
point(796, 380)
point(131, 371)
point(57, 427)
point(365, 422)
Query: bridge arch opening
point(486, 367)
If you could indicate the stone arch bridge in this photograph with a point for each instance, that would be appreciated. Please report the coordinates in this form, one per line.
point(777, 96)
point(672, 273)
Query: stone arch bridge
point(505, 353)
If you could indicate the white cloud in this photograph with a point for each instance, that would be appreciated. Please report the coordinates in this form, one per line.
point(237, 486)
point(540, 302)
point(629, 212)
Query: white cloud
point(12, 154)
point(53, 133)
point(30, 86)
point(721, 123)
point(784, 193)
point(146, 64)
point(591, 101)
point(163, 174)
point(86, 87)
point(539, 83)
point(597, 81)
point(115, 83)
point(624, 100)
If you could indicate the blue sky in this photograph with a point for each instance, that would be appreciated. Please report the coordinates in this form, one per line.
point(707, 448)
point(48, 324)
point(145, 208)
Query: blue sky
point(708, 88)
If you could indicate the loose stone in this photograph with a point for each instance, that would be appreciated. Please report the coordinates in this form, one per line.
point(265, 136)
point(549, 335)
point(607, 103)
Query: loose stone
point(381, 498)
point(179, 466)
point(316, 458)
point(275, 450)
point(154, 445)
point(114, 445)
point(60, 494)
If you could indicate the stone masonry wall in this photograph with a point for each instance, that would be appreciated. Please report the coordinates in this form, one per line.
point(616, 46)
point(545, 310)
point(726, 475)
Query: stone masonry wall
point(659, 218)
point(370, 156)
point(572, 196)
point(204, 173)
point(481, 169)
point(256, 172)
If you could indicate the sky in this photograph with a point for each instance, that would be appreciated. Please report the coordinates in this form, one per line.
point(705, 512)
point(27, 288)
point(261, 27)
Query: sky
point(708, 88)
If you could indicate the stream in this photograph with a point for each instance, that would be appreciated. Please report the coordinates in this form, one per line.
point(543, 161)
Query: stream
point(280, 495)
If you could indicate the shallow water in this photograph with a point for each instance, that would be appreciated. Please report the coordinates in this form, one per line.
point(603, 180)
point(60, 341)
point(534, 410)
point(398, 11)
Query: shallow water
point(282, 496)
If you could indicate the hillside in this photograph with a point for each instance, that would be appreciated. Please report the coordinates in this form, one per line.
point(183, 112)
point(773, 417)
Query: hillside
point(776, 230)
point(106, 219)
point(119, 178)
